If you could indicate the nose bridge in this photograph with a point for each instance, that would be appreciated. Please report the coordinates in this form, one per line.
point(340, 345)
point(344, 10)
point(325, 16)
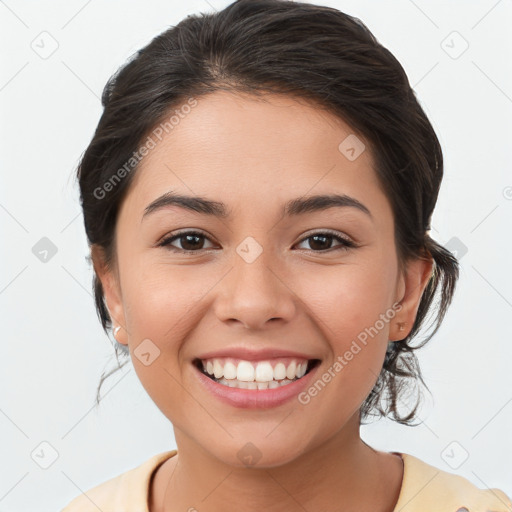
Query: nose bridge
point(254, 291)
point(252, 269)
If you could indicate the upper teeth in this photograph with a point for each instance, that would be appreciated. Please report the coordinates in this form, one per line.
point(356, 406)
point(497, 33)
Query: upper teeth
point(259, 371)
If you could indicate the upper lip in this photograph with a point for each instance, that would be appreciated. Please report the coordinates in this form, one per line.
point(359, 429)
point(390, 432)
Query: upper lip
point(249, 354)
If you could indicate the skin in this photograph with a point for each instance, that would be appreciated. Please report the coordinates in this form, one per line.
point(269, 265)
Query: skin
point(255, 155)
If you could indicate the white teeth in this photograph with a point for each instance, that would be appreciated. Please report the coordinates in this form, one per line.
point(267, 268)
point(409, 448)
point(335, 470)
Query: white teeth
point(264, 372)
point(230, 371)
point(235, 383)
point(218, 369)
point(301, 370)
point(244, 371)
point(255, 372)
point(290, 372)
point(279, 371)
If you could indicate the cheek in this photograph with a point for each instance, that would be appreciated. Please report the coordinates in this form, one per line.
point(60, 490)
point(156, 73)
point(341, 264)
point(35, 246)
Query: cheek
point(164, 305)
point(348, 300)
point(350, 305)
point(365, 327)
point(161, 298)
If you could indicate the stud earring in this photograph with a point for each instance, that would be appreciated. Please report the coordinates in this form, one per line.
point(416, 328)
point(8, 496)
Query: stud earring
point(401, 326)
point(116, 330)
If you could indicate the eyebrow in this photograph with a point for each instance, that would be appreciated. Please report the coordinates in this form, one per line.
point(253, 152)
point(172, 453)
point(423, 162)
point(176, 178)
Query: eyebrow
point(293, 207)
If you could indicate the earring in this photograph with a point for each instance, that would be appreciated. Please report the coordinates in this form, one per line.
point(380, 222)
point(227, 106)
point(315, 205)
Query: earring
point(401, 327)
point(116, 330)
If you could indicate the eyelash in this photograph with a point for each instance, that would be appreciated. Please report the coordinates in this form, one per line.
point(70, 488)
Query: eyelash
point(346, 243)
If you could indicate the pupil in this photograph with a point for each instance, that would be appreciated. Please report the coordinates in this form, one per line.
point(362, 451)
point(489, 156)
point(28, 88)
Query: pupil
point(187, 238)
point(321, 237)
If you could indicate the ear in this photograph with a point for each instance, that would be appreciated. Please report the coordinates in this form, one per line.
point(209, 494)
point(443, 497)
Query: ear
point(411, 285)
point(111, 291)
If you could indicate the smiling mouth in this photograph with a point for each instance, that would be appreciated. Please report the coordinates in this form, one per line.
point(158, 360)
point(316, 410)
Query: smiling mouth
point(255, 375)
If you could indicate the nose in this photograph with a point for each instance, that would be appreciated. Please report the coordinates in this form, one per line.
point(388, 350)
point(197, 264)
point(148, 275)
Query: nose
point(253, 294)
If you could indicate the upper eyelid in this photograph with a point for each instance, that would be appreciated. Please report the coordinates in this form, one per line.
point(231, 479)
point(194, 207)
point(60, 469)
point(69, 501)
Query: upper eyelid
point(189, 231)
point(166, 240)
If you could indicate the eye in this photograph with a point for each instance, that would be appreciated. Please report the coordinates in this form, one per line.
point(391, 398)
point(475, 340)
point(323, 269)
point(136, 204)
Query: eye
point(193, 241)
point(190, 241)
point(322, 239)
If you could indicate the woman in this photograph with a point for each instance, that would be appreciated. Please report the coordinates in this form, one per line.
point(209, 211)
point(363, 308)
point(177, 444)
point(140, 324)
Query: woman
point(257, 198)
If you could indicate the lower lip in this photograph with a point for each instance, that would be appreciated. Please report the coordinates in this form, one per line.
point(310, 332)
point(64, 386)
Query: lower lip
point(256, 398)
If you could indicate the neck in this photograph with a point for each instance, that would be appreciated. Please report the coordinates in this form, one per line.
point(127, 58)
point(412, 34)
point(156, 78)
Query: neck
point(343, 471)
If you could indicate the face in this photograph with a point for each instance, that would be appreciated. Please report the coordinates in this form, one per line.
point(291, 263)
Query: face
point(310, 284)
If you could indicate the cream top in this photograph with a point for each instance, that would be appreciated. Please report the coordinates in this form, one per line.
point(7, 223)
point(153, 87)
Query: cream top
point(424, 488)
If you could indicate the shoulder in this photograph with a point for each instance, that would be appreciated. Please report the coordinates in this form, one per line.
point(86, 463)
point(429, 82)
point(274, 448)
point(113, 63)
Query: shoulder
point(129, 489)
point(426, 487)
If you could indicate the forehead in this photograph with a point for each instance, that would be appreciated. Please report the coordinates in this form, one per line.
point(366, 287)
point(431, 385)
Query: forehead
point(249, 150)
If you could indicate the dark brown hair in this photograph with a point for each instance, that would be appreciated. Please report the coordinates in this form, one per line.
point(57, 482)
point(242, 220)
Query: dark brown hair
point(313, 52)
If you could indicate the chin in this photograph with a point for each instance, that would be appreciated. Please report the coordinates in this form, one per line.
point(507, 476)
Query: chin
point(261, 453)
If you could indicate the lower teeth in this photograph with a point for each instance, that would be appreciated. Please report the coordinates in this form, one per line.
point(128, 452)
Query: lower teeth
point(235, 383)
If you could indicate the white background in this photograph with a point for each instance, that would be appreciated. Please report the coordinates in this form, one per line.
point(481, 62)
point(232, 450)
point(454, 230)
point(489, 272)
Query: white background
point(53, 349)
